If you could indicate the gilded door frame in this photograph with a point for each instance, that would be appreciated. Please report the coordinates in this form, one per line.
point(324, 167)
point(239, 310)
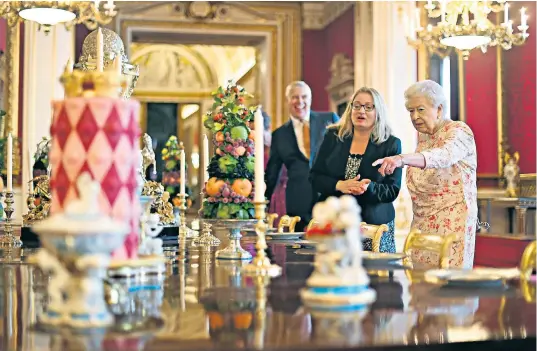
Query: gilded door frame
point(283, 39)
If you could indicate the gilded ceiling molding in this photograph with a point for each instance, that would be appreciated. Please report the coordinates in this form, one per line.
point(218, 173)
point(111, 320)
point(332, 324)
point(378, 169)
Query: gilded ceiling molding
point(317, 15)
point(313, 15)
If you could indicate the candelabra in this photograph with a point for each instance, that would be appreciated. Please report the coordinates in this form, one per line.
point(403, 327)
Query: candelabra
point(261, 264)
point(8, 239)
point(206, 238)
point(464, 25)
point(184, 231)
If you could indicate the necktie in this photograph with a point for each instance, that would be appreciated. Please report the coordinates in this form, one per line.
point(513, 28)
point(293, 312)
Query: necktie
point(306, 137)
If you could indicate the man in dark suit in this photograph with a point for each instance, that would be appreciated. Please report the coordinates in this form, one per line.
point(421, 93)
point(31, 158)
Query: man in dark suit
point(295, 145)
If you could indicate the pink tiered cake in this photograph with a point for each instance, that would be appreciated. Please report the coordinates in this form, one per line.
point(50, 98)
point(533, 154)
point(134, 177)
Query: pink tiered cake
point(98, 135)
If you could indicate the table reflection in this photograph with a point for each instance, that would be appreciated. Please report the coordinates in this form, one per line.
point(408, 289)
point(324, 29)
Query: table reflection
point(205, 303)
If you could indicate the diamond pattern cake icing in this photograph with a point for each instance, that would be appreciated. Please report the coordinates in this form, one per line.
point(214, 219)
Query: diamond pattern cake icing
point(98, 135)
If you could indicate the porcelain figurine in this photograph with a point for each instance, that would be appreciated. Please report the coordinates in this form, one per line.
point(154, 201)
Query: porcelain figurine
point(51, 266)
point(151, 245)
point(339, 282)
point(148, 155)
point(82, 240)
point(511, 172)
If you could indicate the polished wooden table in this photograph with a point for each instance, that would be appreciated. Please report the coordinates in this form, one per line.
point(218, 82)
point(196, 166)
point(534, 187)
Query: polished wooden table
point(200, 304)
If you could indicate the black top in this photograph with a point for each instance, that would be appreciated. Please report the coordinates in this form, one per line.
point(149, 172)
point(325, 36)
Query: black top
point(330, 167)
point(284, 150)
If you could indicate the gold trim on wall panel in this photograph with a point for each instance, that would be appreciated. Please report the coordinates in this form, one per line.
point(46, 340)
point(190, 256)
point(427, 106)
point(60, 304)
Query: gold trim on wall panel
point(423, 53)
point(501, 108)
point(11, 97)
point(462, 87)
point(143, 121)
point(502, 140)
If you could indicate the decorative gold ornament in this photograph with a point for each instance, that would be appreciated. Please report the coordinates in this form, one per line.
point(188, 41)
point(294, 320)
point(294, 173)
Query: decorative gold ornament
point(50, 13)
point(38, 210)
point(113, 49)
point(464, 25)
point(109, 83)
point(161, 205)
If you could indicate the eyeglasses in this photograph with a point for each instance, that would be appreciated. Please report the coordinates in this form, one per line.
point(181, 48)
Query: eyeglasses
point(367, 108)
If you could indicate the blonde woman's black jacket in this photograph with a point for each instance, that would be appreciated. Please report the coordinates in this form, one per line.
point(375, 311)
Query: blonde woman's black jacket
point(329, 168)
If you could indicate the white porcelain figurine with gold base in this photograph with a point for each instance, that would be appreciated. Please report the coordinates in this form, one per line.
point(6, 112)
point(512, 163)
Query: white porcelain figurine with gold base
point(339, 281)
point(79, 244)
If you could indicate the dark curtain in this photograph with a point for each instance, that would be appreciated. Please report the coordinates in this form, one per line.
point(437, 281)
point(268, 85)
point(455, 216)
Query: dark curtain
point(161, 124)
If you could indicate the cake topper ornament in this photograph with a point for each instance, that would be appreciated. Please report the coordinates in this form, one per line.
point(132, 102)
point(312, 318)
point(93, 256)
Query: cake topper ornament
point(339, 281)
point(88, 202)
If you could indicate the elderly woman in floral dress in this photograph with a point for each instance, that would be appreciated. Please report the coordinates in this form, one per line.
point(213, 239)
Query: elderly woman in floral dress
point(441, 175)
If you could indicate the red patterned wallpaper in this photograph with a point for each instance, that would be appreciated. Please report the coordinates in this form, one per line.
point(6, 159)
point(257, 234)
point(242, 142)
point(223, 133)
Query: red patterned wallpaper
point(318, 48)
point(519, 84)
point(481, 109)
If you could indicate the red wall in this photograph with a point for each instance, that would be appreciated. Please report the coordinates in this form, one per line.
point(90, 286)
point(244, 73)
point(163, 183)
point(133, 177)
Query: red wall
point(481, 107)
point(315, 65)
point(318, 48)
point(519, 97)
point(519, 86)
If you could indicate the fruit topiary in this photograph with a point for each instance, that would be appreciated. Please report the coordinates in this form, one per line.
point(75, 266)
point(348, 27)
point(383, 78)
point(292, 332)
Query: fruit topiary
point(171, 174)
point(229, 192)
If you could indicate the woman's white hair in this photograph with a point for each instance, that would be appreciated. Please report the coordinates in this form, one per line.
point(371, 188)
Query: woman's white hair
point(430, 90)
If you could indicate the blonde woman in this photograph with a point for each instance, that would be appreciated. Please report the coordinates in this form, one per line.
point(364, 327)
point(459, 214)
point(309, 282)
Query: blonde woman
point(344, 162)
point(441, 175)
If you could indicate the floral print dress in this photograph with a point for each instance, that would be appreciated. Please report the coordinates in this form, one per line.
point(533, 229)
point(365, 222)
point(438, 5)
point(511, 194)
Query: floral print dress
point(444, 193)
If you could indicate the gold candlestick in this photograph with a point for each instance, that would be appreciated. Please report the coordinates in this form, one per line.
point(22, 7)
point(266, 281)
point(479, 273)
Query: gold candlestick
point(184, 231)
point(261, 264)
point(8, 240)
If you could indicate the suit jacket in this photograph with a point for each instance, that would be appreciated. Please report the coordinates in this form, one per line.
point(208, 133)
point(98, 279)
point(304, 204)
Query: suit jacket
point(330, 165)
point(284, 151)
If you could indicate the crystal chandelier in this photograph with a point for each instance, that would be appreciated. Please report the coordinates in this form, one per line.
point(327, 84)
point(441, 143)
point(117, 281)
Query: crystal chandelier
point(464, 25)
point(50, 13)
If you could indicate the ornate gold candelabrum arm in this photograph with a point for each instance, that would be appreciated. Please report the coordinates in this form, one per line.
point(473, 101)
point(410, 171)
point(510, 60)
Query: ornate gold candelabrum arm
point(261, 264)
point(8, 239)
point(206, 238)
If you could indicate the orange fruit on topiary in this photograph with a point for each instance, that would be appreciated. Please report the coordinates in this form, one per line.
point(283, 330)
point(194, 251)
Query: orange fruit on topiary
point(242, 320)
point(216, 320)
point(214, 185)
point(242, 187)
